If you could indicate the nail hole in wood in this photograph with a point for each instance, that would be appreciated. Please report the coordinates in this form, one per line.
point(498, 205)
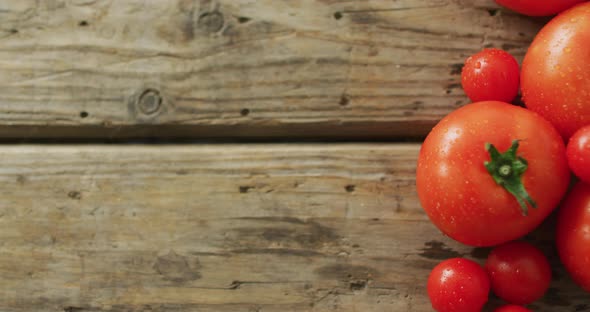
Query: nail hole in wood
point(83, 114)
point(350, 188)
point(493, 12)
point(243, 19)
point(358, 285)
point(245, 112)
point(83, 24)
point(344, 100)
point(75, 195)
point(338, 15)
point(245, 189)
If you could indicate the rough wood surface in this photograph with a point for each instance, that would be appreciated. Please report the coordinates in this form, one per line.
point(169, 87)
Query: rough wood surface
point(224, 228)
point(226, 68)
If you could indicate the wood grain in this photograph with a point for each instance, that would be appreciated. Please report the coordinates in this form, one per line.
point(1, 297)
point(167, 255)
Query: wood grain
point(224, 228)
point(225, 68)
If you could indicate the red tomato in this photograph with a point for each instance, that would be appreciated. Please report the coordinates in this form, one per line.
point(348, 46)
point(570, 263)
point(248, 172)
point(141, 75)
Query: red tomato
point(537, 7)
point(512, 308)
point(556, 71)
point(573, 234)
point(491, 75)
point(578, 153)
point(459, 194)
point(458, 285)
point(520, 273)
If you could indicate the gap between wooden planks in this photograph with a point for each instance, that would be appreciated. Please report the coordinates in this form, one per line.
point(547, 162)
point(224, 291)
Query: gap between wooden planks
point(223, 228)
point(183, 68)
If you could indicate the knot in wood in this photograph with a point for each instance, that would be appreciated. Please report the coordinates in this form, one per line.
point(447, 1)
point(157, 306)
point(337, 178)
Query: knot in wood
point(211, 22)
point(149, 102)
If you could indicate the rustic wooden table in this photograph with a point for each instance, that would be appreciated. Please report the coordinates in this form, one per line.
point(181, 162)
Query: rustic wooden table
point(301, 199)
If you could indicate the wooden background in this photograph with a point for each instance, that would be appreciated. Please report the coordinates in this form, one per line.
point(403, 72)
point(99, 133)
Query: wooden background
point(298, 193)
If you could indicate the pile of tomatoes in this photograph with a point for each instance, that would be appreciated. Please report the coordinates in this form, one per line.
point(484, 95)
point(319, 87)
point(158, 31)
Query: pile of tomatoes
point(491, 172)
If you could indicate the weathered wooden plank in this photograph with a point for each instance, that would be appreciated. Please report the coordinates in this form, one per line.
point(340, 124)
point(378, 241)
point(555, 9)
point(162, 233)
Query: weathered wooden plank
point(224, 68)
point(224, 228)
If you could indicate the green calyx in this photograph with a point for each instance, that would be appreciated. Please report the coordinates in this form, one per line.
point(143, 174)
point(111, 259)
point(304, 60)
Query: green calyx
point(507, 169)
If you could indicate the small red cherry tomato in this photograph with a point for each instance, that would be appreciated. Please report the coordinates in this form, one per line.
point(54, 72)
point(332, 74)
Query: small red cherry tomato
point(578, 153)
point(519, 272)
point(458, 285)
point(491, 75)
point(512, 308)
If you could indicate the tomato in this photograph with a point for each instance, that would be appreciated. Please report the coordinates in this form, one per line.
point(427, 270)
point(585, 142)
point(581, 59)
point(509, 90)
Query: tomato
point(520, 273)
point(555, 73)
point(491, 75)
point(458, 285)
point(537, 7)
point(573, 234)
point(460, 195)
point(578, 153)
point(512, 308)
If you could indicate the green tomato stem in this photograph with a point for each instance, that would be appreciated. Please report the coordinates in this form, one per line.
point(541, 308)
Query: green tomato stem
point(507, 169)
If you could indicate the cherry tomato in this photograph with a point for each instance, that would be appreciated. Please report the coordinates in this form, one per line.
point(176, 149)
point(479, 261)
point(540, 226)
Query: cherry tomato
point(461, 194)
point(578, 153)
point(512, 308)
point(520, 273)
point(458, 285)
point(537, 7)
point(573, 234)
point(491, 75)
point(555, 73)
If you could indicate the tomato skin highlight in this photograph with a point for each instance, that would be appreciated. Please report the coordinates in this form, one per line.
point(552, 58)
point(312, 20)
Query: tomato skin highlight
point(458, 285)
point(578, 153)
point(458, 194)
point(555, 76)
point(491, 75)
point(512, 308)
point(538, 8)
point(519, 272)
point(573, 234)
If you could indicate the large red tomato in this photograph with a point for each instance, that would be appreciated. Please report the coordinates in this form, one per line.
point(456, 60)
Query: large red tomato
point(538, 7)
point(555, 76)
point(460, 195)
point(573, 234)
